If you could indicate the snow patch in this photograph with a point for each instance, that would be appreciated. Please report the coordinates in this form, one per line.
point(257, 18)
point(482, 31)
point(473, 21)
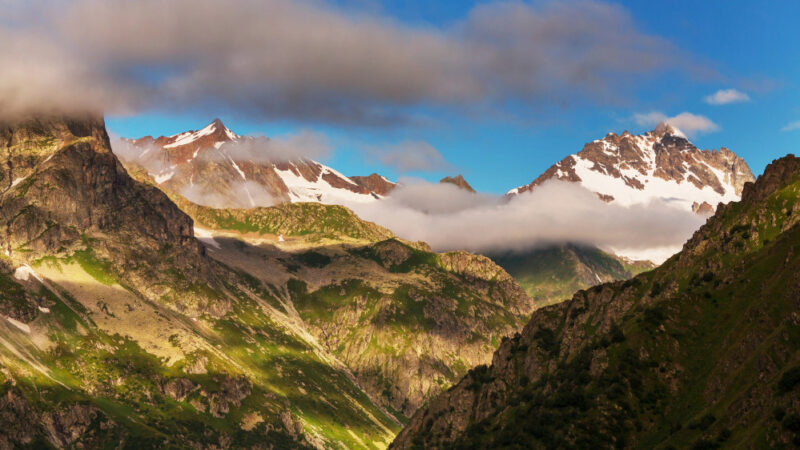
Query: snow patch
point(19, 325)
point(319, 190)
point(206, 237)
point(17, 181)
point(164, 176)
point(44, 310)
point(24, 273)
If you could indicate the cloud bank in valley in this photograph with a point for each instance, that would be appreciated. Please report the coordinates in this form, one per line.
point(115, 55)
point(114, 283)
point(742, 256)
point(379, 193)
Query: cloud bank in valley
point(449, 218)
point(307, 60)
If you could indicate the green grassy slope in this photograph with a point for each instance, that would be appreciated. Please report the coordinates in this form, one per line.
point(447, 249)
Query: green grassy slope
point(552, 274)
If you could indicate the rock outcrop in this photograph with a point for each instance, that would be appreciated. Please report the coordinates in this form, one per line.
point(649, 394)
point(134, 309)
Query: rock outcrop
point(458, 181)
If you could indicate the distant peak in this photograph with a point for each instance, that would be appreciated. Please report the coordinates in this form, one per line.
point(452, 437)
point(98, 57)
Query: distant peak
point(459, 181)
point(217, 126)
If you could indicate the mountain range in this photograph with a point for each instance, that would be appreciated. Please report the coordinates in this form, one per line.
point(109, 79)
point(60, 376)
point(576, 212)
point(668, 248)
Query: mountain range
point(128, 321)
point(701, 352)
point(150, 303)
point(207, 166)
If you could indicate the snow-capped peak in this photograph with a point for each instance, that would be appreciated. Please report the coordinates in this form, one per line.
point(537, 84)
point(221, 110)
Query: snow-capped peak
point(205, 165)
point(627, 170)
point(216, 127)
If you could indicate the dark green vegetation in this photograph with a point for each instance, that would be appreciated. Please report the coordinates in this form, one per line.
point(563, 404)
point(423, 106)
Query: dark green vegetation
point(553, 274)
point(702, 352)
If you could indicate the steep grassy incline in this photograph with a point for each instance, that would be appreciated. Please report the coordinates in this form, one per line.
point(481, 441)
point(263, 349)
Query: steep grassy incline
point(554, 273)
point(702, 352)
point(408, 322)
point(117, 330)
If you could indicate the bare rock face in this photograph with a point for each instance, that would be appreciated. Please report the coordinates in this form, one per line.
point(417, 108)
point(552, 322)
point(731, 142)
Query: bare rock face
point(230, 395)
point(699, 352)
point(69, 193)
point(660, 164)
point(62, 428)
point(458, 181)
point(375, 183)
point(178, 388)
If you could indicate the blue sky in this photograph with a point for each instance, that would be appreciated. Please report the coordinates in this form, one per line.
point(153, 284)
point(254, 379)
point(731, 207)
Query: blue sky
point(747, 46)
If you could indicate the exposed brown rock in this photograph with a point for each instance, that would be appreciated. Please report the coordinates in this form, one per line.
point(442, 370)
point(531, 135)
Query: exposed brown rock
point(375, 183)
point(459, 181)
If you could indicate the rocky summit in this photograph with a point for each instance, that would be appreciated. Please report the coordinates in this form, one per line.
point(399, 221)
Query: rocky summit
point(661, 164)
point(701, 352)
point(459, 182)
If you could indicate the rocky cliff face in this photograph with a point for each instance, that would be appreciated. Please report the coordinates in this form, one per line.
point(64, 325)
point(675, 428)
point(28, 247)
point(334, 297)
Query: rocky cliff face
point(67, 191)
point(701, 352)
point(61, 178)
point(206, 166)
point(661, 164)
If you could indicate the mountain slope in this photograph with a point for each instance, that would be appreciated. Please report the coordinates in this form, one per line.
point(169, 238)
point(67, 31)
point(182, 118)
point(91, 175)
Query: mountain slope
point(552, 274)
point(118, 329)
point(407, 322)
point(207, 167)
point(701, 352)
point(660, 164)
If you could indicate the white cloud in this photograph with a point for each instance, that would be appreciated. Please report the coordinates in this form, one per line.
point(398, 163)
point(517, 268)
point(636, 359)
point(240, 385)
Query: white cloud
point(726, 96)
point(450, 218)
point(791, 126)
point(304, 144)
point(689, 123)
point(310, 60)
point(241, 194)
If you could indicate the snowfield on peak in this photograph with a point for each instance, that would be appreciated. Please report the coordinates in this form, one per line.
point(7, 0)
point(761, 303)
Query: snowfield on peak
point(659, 165)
